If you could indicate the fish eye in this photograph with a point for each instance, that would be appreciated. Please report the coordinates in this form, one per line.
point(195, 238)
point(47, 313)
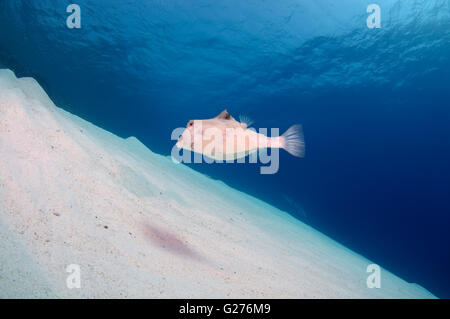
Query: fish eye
point(190, 123)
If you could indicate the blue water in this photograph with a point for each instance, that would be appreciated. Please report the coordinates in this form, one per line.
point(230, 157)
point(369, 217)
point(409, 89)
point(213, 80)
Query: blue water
point(374, 103)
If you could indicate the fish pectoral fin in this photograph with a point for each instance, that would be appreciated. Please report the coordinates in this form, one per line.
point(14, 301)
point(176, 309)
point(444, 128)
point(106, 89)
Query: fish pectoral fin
point(245, 121)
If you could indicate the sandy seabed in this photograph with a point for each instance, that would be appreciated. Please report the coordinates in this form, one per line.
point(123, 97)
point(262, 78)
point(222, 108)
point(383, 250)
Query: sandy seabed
point(141, 226)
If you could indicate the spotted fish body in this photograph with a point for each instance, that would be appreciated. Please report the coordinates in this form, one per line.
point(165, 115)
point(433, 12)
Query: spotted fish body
point(224, 138)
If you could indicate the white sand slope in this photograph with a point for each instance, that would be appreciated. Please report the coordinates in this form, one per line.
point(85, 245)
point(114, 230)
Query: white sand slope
point(171, 232)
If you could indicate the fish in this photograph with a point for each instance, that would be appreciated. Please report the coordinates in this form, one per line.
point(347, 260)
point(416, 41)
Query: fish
point(224, 138)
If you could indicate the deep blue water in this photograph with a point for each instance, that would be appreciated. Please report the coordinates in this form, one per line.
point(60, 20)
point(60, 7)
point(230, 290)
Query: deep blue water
point(374, 103)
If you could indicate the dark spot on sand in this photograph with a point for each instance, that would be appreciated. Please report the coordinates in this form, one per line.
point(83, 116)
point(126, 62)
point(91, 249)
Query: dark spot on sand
point(105, 227)
point(170, 242)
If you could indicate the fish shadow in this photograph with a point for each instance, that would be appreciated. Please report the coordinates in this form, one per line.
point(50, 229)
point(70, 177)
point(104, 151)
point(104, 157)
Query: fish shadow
point(170, 242)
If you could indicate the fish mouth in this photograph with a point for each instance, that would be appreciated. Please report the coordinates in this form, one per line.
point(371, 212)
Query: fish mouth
point(179, 143)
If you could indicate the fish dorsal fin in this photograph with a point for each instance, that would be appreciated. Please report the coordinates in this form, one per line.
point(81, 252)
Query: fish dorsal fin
point(224, 115)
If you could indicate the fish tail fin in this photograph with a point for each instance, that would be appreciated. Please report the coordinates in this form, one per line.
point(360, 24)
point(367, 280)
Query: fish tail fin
point(292, 141)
